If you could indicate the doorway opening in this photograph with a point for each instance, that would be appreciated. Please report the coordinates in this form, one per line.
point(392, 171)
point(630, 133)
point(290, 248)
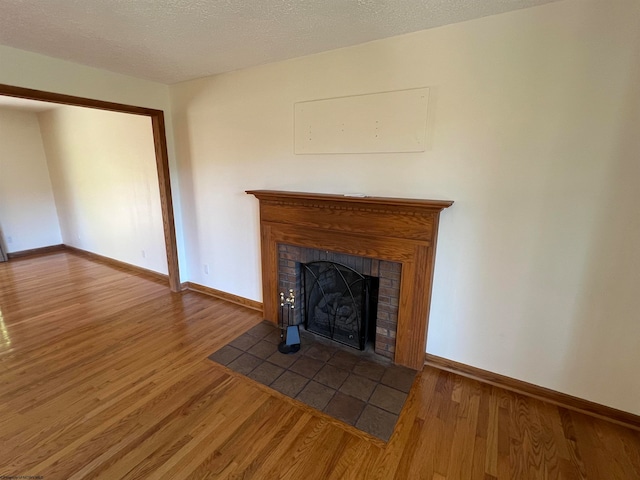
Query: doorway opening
point(160, 150)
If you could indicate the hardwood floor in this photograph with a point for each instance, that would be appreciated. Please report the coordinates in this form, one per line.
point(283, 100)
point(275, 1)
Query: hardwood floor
point(104, 374)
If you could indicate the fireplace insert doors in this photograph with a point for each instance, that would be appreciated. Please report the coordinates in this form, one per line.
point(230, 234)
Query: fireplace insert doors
point(339, 303)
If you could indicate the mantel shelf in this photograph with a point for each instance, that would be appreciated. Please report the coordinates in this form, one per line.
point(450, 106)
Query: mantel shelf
point(352, 199)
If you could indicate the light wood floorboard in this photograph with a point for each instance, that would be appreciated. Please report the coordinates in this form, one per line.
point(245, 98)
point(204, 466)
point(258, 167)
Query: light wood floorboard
point(103, 374)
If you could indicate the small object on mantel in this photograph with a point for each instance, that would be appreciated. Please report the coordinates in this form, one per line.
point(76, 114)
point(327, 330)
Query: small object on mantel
point(357, 195)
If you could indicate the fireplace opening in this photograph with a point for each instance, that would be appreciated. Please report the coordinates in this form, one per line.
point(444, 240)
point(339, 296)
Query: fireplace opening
point(384, 292)
point(340, 303)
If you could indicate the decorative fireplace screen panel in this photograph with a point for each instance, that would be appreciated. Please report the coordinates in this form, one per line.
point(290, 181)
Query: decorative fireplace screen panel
point(339, 302)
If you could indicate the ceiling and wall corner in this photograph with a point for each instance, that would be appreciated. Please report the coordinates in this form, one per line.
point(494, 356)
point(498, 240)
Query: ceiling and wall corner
point(169, 41)
point(24, 105)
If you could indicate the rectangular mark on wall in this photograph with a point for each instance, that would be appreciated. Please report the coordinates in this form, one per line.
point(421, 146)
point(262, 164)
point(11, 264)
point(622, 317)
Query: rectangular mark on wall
point(387, 122)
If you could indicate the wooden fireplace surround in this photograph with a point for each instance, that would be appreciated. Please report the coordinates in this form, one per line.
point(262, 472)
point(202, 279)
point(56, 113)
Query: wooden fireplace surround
point(394, 229)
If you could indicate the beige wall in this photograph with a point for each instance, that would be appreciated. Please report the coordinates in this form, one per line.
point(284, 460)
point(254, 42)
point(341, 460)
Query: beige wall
point(31, 70)
point(103, 172)
point(532, 130)
point(28, 216)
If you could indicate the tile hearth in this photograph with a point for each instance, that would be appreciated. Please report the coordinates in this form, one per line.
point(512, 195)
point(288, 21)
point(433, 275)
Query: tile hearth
point(354, 387)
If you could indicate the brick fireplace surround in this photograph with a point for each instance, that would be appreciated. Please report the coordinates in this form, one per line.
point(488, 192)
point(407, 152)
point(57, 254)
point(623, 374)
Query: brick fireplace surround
point(290, 277)
point(394, 231)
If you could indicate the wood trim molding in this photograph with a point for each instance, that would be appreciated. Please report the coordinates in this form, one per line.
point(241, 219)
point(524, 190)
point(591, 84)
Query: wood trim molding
point(229, 297)
point(166, 199)
point(541, 393)
point(35, 251)
point(162, 159)
point(133, 269)
point(394, 229)
point(32, 94)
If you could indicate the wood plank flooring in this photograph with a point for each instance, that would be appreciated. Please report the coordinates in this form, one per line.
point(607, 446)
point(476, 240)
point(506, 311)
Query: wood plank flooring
point(103, 374)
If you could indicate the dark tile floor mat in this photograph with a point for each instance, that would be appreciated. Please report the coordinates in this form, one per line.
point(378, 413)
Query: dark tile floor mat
point(354, 387)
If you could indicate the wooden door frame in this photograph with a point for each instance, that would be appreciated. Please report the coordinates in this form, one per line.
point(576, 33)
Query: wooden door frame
point(160, 147)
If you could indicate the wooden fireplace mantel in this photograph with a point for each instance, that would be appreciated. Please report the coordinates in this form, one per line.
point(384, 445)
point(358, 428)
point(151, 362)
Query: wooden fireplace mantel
point(395, 229)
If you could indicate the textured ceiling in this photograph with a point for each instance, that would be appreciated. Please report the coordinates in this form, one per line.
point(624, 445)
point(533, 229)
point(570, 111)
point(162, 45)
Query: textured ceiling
point(174, 40)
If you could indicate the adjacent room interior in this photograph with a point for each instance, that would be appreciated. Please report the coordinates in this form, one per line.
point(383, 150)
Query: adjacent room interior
point(380, 240)
point(80, 177)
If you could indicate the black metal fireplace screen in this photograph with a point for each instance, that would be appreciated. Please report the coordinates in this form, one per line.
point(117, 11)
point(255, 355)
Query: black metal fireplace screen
point(339, 303)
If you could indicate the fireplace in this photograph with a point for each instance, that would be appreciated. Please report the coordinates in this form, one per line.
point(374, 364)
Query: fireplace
point(400, 233)
point(384, 275)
